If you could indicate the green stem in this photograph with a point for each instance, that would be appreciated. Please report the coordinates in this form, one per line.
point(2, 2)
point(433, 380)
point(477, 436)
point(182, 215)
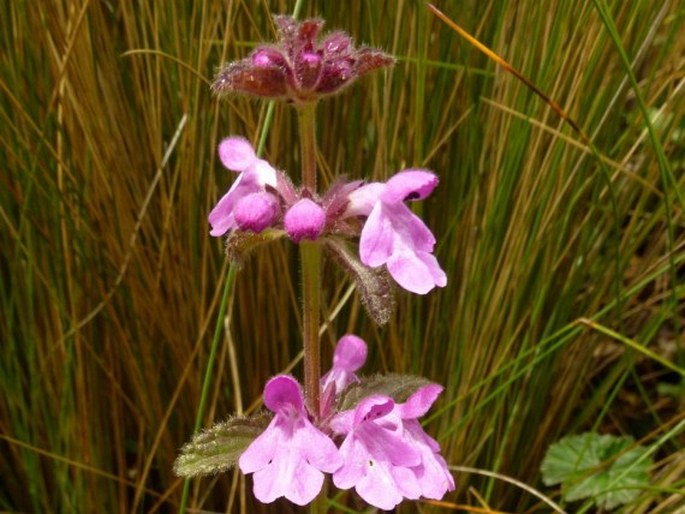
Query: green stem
point(218, 330)
point(310, 260)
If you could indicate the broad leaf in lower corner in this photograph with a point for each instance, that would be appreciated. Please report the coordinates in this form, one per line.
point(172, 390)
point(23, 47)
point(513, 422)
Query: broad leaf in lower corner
point(608, 469)
point(219, 447)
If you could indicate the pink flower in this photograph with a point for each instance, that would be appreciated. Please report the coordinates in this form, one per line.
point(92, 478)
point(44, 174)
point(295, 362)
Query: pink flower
point(289, 457)
point(247, 205)
point(393, 235)
point(387, 456)
point(377, 458)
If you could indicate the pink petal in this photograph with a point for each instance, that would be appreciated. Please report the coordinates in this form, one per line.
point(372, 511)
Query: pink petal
point(282, 392)
point(261, 451)
point(414, 429)
point(256, 211)
point(350, 353)
point(304, 220)
point(372, 407)
point(434, 477)
point(221, 216)
point(407, 482)
point(363, 199)
point(410, 228)
point(378, 487)
point(272, 481)
point(343, 422)
point(318, 449)
point(289, 458)
point(262, 173)
point(389, 445)
point(413, 184)
point(420, 401)
point(436, 271)
point(411, 272)
point(304, 484)
point(433, 474)
point(376, 241)
point(354, 465)
point(236, 153)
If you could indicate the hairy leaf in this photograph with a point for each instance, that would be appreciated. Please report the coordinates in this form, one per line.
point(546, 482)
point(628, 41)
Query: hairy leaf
point(375, 286)
point(239, 244)
point(219, 447)
point(398, 387)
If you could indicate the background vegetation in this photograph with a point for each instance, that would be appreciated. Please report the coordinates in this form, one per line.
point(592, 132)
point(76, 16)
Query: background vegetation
point(110, 283)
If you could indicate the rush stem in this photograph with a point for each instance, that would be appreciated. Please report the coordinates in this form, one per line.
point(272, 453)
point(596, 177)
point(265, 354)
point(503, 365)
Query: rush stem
point(310, 260)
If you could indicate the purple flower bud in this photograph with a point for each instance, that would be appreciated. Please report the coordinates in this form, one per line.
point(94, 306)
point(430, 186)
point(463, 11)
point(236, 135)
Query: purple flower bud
point(350, 355)
point(308, 69)
point(304, 220)
point(266, 57)
point(336, 44)
point(307, 33)
point(245, 77)
point(256, 211)
point(370, 59)
point(300, 68)
point(336, 75)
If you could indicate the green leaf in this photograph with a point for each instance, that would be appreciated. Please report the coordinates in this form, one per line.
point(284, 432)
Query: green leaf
point(398, 387)
point(569, 458)
point(240, 244)
point(627, 476)
point(219, 447)
point(608, 469)
point(376, 288)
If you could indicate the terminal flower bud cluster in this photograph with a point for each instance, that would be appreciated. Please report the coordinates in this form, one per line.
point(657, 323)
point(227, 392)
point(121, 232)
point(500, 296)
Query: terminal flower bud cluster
point(263, 197)
point(301, 67)
point(377, 447)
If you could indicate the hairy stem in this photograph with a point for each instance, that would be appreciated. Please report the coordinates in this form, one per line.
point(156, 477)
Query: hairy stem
point(310, 254)
point(306, 121)
point(310, 260)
